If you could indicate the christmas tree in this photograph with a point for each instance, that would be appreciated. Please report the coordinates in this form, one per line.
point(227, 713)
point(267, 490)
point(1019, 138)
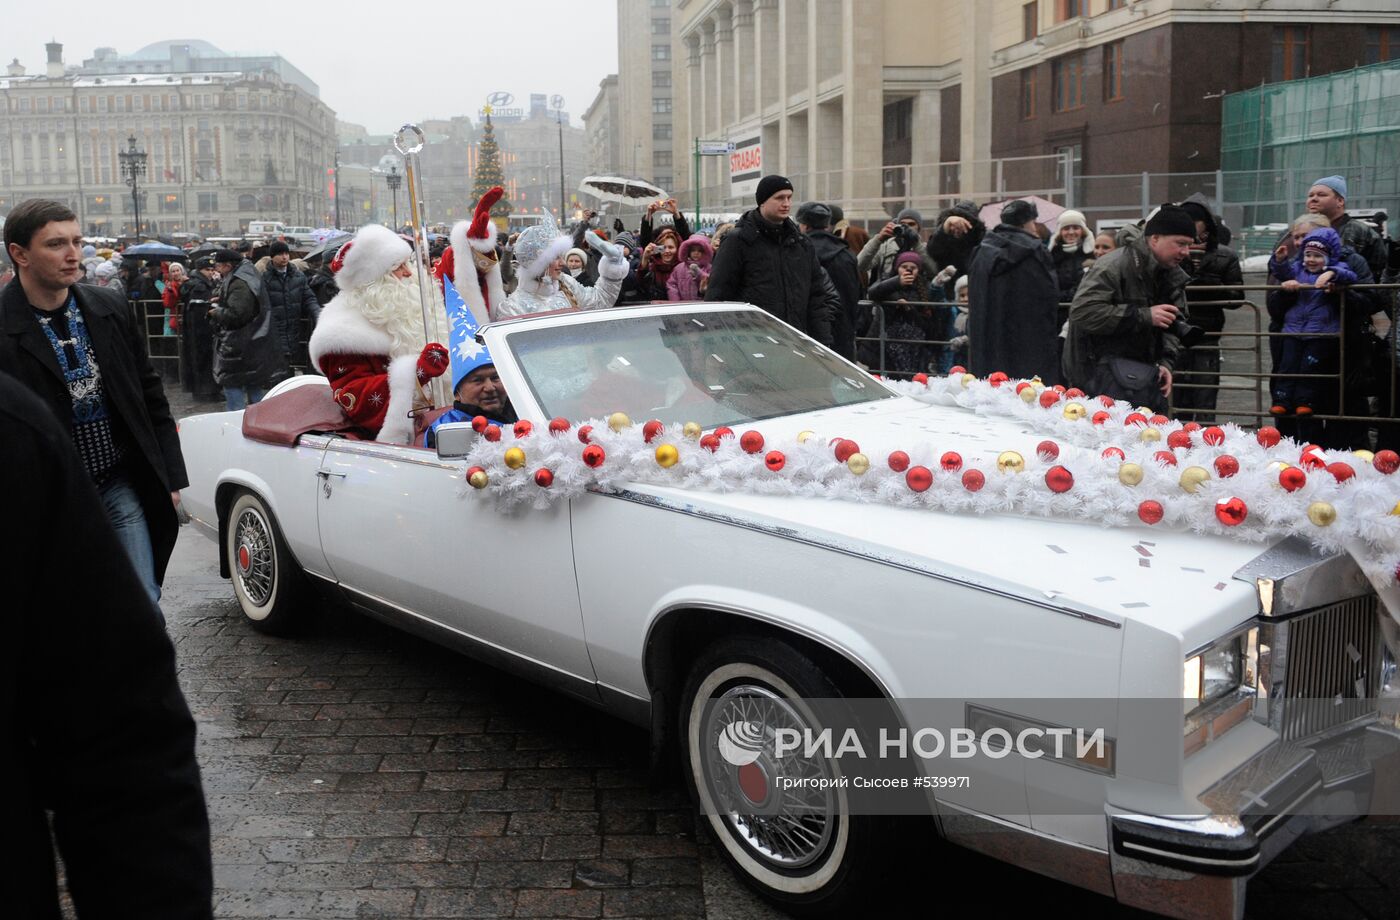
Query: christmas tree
point(488, 171)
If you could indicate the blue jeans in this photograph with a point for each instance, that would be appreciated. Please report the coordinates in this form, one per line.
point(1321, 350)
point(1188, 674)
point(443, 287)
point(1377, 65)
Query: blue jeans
point(127, 517)
point(242, 397)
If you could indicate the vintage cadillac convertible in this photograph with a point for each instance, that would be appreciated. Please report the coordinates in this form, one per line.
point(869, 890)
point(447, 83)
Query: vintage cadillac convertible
point(672, 576)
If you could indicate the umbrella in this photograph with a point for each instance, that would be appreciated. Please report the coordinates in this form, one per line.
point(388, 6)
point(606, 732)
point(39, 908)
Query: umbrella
point(620, 189)
point(155, 252)
point(329, 246)
point(1049, 212)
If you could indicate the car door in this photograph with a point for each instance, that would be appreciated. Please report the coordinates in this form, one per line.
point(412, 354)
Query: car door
point(398, 526)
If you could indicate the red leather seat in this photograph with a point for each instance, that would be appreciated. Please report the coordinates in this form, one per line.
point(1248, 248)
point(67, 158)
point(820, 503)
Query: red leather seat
point(284, 418)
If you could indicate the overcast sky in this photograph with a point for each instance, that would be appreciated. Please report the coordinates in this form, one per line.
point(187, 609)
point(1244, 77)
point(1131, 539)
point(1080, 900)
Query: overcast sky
point(378, 64)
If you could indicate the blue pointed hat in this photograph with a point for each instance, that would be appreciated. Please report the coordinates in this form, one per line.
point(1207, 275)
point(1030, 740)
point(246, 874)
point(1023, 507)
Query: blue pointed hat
point(467, 353)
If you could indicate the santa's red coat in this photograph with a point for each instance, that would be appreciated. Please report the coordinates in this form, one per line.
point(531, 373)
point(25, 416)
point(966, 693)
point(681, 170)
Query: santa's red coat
point(360, 385)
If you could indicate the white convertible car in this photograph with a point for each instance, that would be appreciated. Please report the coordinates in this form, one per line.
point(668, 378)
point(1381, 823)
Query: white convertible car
point(675, 580)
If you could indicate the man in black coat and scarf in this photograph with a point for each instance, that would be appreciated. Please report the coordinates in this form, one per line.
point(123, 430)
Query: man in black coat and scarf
point(1012, 300)
point(814, 219)
point(1211, 264)
point(768, 262)
point(76, 347)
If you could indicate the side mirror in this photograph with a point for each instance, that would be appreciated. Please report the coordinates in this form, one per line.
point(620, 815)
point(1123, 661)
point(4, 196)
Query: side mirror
point(455, 440)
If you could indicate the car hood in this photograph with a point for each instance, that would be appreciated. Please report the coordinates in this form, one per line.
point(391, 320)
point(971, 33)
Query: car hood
point(1181, 583)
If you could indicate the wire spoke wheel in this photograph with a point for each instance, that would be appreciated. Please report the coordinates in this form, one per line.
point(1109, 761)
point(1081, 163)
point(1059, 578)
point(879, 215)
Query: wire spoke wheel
point(255, 562)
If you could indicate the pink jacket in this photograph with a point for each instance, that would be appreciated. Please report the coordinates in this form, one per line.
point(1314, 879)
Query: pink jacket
point(684, 283)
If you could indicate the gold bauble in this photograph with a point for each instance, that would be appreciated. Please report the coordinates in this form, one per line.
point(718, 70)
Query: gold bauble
point(478, 480)
point(967, 379)
point(1028, 394)
point(1396, 510)
point(515, 458)
point(1149, 434)
point(1278, 466)
point(803, 436)
point(667, 455)
point(1192, 477)
point(1365, 456)
point(618, 421)
point(1074, 411)
point(1036, 379)
point(1008, 461)
point(1130, 474)
point(1322, 514)
point(692, 430)
point(858, 464)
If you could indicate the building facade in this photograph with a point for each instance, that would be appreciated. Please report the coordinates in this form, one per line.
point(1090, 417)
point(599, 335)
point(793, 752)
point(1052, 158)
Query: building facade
point(530, 159)
point(224, 146)
point(646, 92)
point(881, 102)
point(602, 137)
point(447, 164)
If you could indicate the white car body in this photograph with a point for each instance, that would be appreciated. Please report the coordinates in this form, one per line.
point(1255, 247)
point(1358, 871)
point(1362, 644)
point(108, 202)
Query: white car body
point(586, 593)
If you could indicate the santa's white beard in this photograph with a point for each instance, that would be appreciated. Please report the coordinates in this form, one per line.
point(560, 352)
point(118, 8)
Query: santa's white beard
point(393, 304)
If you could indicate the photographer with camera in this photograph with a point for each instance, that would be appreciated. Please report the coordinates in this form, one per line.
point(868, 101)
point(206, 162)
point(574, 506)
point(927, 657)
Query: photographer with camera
point(1210, 264)
point(876, 260)
point(662, 215)
point(197, 295)
point(1128, 317)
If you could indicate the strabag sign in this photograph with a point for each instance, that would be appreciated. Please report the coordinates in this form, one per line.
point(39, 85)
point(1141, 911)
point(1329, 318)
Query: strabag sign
point(745, 166)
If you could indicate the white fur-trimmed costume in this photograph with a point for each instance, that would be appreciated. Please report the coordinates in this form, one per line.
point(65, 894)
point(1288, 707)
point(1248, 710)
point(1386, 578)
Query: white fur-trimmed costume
point(535, 249)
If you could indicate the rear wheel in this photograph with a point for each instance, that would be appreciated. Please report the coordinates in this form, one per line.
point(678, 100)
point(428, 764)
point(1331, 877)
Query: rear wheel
point(270, 588)
point(801, 848)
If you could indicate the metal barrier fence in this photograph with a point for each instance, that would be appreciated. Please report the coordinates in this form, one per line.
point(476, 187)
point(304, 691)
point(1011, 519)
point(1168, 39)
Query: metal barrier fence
point(164, 345)
point(1247, 367)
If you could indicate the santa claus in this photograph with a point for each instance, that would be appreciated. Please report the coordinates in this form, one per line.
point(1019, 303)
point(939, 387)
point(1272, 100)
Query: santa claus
point(369, 340)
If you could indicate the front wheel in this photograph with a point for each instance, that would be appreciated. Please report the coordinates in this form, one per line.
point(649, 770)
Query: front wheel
point(801, 849)
point(266, 580)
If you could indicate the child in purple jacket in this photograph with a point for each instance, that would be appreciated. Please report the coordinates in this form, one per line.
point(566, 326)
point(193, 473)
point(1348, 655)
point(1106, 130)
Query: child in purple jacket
point(695, 256)
point(1312, 324)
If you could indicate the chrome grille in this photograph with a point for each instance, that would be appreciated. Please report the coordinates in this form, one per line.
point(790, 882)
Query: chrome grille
point(1333, 667)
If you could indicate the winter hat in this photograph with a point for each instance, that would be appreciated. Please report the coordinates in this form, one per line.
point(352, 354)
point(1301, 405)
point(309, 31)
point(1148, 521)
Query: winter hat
point(538, 246)
point(959, 285)
point(278, 248)
point(1072, 219)
point(908, 256)
point(577, 252)
point(1019, 212)
point(106, 270)
point(373, 253)
point(814, 214)
point(626, 239)
point(89, 251)
point(910, 214)
point(1335, 183)
point(1171, 220)
point(837, 215)
point(697, 241)
point(1326, 240)
point(227, 257)
point(769, 186)
point(467, 353)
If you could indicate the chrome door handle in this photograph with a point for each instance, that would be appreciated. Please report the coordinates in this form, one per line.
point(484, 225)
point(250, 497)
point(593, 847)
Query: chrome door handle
point(327, 474)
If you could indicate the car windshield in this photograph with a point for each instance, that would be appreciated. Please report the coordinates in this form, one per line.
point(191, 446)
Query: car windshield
point(714, 368)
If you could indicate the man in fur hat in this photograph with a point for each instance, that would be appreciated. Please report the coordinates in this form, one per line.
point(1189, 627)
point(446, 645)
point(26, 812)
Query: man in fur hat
point(369, 341)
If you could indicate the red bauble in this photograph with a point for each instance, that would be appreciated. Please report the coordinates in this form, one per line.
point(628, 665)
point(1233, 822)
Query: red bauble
point(1179, 440)
point(492, 433)
point(921, 378)
point(558, 425)
point(774, 460)
point(997, 378)
point(1150, 512)
point(1047, 450)
point(1060, 388)
point(898, 461)
point(1268, 436)
point(1341, 471)
point(1160, 420)
point(1165, 456)
point(710, 442)
point(583, 432)
point(973, 480)
point(919, 478)
point(1135, 418)
point(1292, 479)
point(1312, 460)
point(951, 461)
point(1226, 466)
point(544, 478)
point(1387, 461)
point(1074, 393)
point(724, 431)
point(1231, 512)
point(844, 449)
point(473, 471)
point(957, 369)
point(1191, 426)
point(1214, 436)
point(1113, 453)
point(651, 429)
point(1059, 479)
point(523, 428)
point(1099, 417)
point(594, 455)
point(1048, 398)
point(479, 423)
point(751, 442)
point(1108, 401)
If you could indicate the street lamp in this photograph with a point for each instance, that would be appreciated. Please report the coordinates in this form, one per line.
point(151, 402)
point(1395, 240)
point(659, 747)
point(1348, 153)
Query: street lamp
point(394, 180)
point(133, 167)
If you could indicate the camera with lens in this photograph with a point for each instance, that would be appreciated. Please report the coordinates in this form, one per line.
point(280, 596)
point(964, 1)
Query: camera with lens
point(1189, 335)
point(906, 238)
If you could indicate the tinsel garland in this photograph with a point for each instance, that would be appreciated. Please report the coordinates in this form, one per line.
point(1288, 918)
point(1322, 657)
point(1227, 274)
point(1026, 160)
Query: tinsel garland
point(1103, 461)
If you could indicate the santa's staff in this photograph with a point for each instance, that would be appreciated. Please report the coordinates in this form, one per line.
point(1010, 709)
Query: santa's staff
point(408, 149)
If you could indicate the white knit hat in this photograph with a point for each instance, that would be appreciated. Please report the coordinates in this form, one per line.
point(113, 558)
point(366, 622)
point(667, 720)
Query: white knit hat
point(373, 253)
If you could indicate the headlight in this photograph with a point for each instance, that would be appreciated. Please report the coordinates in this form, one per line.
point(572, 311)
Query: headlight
point(1213, 673)
point(1218, 688)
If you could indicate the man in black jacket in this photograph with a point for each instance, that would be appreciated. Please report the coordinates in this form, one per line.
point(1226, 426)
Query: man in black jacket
point(294, 307)
point(77, 348)
point(814, 219)
point(768, 262)
point(959, 232)
point(1211, 264)
point(196, 335)
point(1014, 298)
point(247, 356)
point(96, 729)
